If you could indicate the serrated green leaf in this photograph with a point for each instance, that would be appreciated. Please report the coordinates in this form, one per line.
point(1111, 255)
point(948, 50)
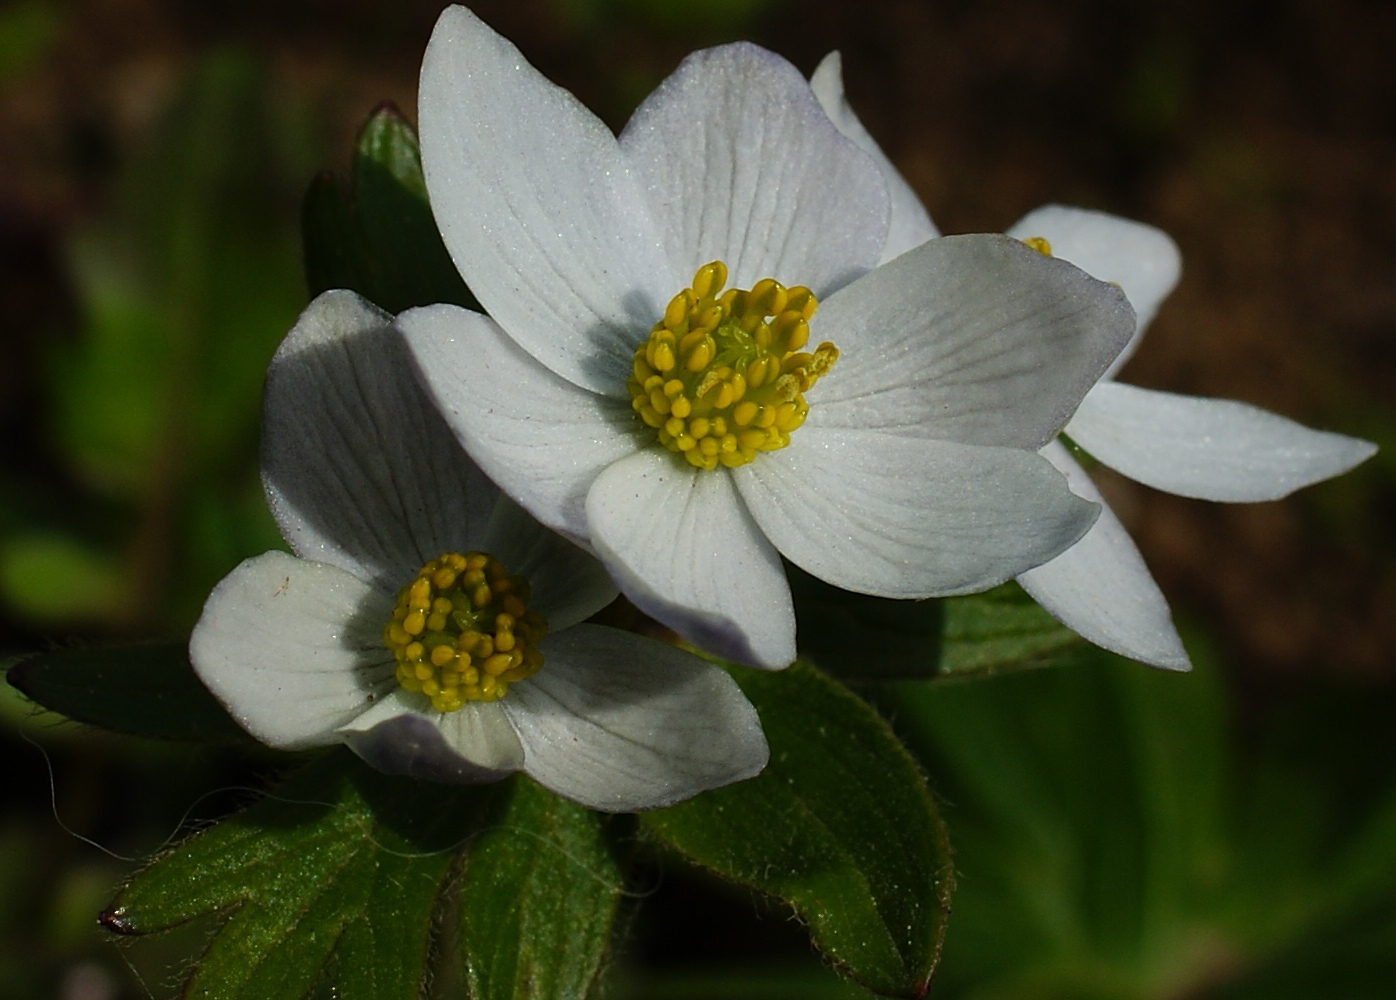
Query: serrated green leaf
point(149, 691)
point(840, 825)
point(538, 899)
point(377, 236)
point(340, 857)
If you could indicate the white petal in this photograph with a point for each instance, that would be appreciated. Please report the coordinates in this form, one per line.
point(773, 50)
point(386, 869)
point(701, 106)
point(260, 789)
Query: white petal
point(909, 517)
point(400, 734)
point(740, 164)
point(682, 546)
point(619, 722)
point(536, 203)
point(567, 585)
point(1141, 259)
point(293, 649)
point(967, 338)
point(541, 438)
point(1101, 589)
point(1210, 449)
point(360, 470)
point(911, 225)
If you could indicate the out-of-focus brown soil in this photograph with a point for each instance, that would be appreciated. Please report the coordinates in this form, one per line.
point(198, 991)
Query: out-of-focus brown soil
point(1262, 136)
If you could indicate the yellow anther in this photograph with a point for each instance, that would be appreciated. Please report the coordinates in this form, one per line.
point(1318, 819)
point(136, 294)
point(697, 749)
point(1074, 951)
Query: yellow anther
point(709, 279)
point(461, 631)
point(662, 357)
point(699, 357)
point(678, 310)
point(1039, 244)
point(722, 375)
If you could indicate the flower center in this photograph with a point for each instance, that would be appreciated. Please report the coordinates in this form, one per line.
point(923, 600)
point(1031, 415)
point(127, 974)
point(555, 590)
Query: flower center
point(1038, 243)
point(722, 375)
point(462, 631)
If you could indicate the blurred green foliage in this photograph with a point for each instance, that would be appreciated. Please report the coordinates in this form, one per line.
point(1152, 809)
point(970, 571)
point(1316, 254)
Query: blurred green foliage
point(27, 31)
point(1113, 839)
point(185, 288)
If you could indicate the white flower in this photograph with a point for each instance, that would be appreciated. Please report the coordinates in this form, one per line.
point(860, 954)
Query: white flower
point(1209, 449)
point(915, 472)
point(368, 486)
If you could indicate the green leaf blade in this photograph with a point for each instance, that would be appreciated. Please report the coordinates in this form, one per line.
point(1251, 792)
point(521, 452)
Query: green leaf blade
point(538, 899)
point(341, 859)
point(378, 236)
point(149, 691)
point(840, 825)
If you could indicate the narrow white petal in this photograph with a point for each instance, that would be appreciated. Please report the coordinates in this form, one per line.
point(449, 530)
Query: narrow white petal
point(619, 722)
point(538, 206)
point(1141, 259)
point(360, 470)
point(1101, 589)
point(740, 163)
point(1210, 449)
point(567, 585)
point(967, 338)
point(910, 517)
point(541, 438)
point(911, 225)
point(400, 734)
point(681, 545)
point(293, 649)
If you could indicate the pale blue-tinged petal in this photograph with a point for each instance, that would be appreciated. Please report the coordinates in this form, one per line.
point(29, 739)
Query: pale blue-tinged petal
point(739, 163)
point(402, 734)
point(910, 224)
point(293, 649)
point(537, 206)
point(620, 722)
point(1101, 589)
point(360, 470)
point(910, 517)
point(1140, 258)
point(541, 438)
point(1209, 449)
point(566, 584)
point(682, 547)
point(967, 338)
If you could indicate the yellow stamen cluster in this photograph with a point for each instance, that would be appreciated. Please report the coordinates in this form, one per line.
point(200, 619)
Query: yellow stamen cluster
point(462, 631)
point(722, 375)
point(1040, 244)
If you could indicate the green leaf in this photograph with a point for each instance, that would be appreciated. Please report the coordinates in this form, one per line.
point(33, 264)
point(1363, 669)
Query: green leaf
point(857, 637)
point(149, 691)
point(840, 825)
point(340, 859)
point(1001, 629)
point(377, 236)
point(538, 899)
point(861, 638)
